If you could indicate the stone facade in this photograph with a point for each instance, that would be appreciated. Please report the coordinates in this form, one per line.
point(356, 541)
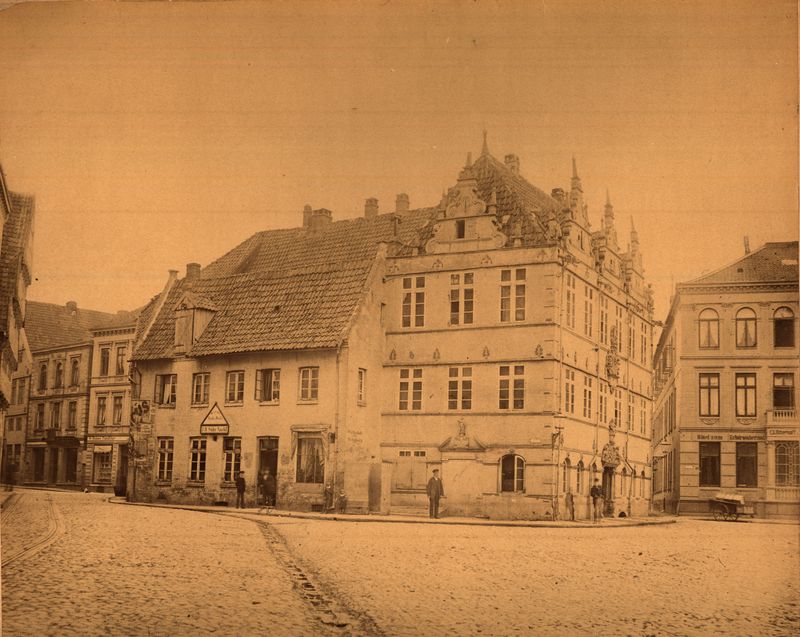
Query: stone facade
point(726, 371)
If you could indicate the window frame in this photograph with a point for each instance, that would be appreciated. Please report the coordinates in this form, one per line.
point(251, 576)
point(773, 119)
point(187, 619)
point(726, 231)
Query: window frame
point(105, 360)
point(787, 463)
point(318, 470)
point(783, 321)
point(745, 390)
point(459, 389)
point(517, 471)
point(746, 318)
point(788, 389)
point(166, 458)
point(706, 394)
point(163, 381)
point(268, 385)
point(742, 467)
point(75, 372)
point(361, 387)
point(708, 327)
point(234, 387)
point(42, 386)
point(231, 457)
point(410, 389)
point(201, 381)
point(198, 450)
point(413, 302)
point(709, 464)
point(119, 361)
point(102, 408)
point(308, 390)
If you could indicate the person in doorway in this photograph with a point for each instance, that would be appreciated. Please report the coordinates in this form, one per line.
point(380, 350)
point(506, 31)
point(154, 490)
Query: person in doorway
point(570, 504)
point(596, 494)
point(267, 487)
point(435, 492)
point(241, 485)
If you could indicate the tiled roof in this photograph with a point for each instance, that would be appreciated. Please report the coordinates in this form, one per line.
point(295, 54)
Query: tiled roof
point(771, 262)
point(15, 235)
point(49, 326)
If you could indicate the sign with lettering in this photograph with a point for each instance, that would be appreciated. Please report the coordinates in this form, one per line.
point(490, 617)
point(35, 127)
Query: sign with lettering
point(726, 436)
point(215, 422)
point(784, 433)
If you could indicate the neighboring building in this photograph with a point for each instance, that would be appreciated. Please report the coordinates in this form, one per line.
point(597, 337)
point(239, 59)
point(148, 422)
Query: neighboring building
point(16, 240)
point(494, 336)
point(726, 372)
point(110, 404)
point(61, 343)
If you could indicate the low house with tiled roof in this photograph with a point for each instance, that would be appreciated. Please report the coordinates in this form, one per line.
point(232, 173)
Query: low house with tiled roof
point(61, 342)
point(350, 358)
point(726, 370)
point(16, 239)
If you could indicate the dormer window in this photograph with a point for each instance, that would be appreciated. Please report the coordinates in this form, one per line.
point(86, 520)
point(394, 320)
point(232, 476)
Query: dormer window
point(192, 315)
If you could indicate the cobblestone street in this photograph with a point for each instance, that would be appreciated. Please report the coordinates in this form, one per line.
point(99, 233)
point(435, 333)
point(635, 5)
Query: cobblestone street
point(76, 564)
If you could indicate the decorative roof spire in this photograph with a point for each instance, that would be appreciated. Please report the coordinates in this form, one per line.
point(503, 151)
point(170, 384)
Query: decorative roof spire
point(469, 160)
point(574, 168)
point(634, 236)
point(608, 198)
point(485, 148)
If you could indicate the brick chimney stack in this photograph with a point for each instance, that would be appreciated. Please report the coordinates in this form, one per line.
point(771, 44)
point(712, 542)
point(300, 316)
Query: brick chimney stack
point(192, 271)
point(72, 308)
point(371, 208)
point(401, 203)
point(512, 161)
point(307, 216)
point(320, 218)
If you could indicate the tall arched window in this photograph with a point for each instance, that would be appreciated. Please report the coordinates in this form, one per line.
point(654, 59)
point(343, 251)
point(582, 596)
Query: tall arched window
point(709, 329)
point(623, 482)
point(595, 473)
point(787, 464)
point(512, 473)
point(783, 327)
point(579, 482)
point(565, 476)
point(633, 484)
point(75, 373)
point(641, 484)
point(59, 379)
point(43, 377)
point(746, 328)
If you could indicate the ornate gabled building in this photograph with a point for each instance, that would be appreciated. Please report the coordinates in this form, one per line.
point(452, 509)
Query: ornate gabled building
point(495, 336)
point(726, 365)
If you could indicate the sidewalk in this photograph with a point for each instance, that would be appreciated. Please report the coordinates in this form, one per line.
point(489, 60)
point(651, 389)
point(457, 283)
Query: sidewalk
point(253, 513)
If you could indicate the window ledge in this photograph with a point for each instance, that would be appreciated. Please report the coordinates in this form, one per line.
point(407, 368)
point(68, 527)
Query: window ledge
point(160, 406)
point(195, 483)
point(308, 402)
point(163, 483)
point(234, 404)
point(362, 403)
point(198, 405)
point(269, 403)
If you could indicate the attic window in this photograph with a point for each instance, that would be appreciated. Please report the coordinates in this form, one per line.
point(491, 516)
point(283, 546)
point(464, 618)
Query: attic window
point(740, 270)
point(461, 228)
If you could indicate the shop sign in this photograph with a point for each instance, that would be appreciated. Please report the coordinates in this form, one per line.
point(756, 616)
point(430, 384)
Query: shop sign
point(214, 423)
point(734, 437)
point(784, 433)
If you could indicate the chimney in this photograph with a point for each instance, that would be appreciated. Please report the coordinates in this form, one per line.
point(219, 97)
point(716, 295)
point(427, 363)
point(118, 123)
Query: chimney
point(401, 203)
point(320, 218)
point(306, 216)
point(72, 308)
point(192, 271)
point(747, 245)
point(512, 161)
point(371, 208)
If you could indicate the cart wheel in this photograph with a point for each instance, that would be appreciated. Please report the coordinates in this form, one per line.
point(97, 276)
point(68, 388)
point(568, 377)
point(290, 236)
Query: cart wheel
point(717, 514)
point(734, 516)
point(726, 515)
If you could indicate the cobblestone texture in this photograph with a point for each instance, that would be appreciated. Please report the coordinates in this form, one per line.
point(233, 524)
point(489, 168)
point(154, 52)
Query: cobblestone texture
point(691, 578)
point(121, 570)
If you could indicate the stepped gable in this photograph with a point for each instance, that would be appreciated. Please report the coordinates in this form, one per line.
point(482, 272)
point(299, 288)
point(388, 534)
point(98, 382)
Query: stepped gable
point(771, 262)
point(19, 225)
point(285, 289)
point(48, 325)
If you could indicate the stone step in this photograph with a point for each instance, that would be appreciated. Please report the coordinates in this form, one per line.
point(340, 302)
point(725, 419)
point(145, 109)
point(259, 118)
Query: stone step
point(414, 511)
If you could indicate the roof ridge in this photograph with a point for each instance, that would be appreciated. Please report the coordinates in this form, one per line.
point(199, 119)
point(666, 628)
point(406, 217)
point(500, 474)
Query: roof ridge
point(730, 264)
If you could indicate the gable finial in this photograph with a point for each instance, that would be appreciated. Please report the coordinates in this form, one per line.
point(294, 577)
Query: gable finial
point(608, 198)
point(574, 168)
point(469, 160)
point(485, 148)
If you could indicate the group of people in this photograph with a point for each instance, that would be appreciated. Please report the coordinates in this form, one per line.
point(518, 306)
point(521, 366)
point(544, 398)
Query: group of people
point(596, 493)
point(266, 489)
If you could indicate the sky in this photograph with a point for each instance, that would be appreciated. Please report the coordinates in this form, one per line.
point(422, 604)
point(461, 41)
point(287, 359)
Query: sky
point(156, 134)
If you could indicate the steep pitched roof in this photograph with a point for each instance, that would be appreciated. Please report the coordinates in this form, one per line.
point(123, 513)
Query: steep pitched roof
point(16, 234)
point(770, 263)
point(48, 325)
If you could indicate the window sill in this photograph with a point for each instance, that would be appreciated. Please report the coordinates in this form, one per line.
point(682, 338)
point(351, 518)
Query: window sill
point(160, 406)
point(308, 402)
point(198, 405)
point(163, 483)
point(361, 403)
point(268, 403)
point(234, 404)
point(195, 483)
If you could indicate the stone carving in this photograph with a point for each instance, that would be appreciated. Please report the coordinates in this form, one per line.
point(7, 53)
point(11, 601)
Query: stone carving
point(464, 201)
point(436, 354)
point(485, 352)
point(411, 355)
point(612, 360)
point(648, 295)
point(392, 355)
point(611, 456)
point(486, 260)
point(539, 351)
point(437, 265)
point(553, 232)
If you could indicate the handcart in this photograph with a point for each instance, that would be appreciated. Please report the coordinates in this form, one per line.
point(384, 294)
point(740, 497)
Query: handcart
point(729, 506)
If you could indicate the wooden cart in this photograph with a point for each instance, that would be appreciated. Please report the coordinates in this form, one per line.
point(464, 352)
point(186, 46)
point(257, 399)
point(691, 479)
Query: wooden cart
point(729, 507)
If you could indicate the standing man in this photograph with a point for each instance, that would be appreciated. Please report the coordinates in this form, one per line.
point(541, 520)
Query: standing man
point(268, 488)
point(241, 485)
point(596, 493)
point(570, 503)
point(435, 491)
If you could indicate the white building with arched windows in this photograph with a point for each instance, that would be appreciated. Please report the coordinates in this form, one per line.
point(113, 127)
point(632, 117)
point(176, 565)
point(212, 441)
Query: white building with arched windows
point(726, 366)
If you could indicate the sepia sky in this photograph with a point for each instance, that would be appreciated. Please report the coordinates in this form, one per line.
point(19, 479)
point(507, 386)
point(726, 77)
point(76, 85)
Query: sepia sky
point(154, 134)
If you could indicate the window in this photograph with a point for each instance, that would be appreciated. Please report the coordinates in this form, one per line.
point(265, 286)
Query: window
point(644, 353)
point(631, 338)
point(631, 411)
point(746, 328)
point(709, 464)
point(310, 459)
point(566, 487)
point(166, 452)
point(602, 406)
point(43, 377)
point(101, 410)
point(570, 301)
point(59, 378)
point(75, 372)
point(587, 397)
point(361, 390)
point(461, 228)
point(783, 391)
point(410, 389)
point(745, 394)
point(746, 464)
point(200, 384)
point(783, 325)
point(642, 416)
point(618, 408)
point(120, 366)
point(165, 389)
point(39, 424)
point(117, 413)
point(102, 467)
point(709, 329)
point(519, 289)
point(309, 383)
point(234, 382)
point(604, 319)
point(268, 385)
point(197, 459)
point(579, 479)
point(414, 301)
point(72, 415)
point(512, 474)
point(641, 484)
point(105, 354)
point(569, 391)
point(512, 389)
point(232, 450)
point(461, 299)
point(459, 388)
point(588, 309)
point(787, 463)
point(55, 415)
point(709, 394)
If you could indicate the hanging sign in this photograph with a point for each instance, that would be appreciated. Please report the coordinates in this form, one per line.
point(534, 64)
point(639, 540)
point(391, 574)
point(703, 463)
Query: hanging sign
point(214, 422)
